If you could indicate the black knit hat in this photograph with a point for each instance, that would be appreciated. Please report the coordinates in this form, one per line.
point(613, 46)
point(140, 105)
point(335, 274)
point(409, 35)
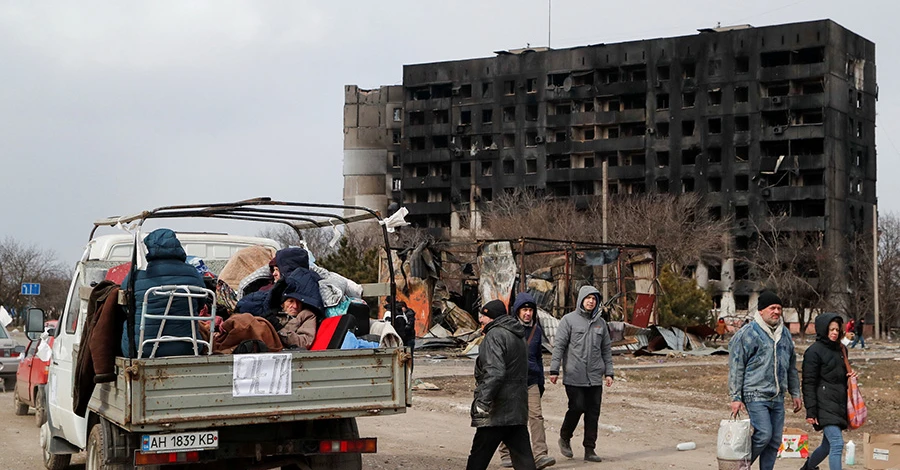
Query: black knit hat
point(767, 298)
point(493, 309)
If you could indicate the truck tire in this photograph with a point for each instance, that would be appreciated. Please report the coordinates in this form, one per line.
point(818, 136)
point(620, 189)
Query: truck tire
point(40, 413)
point(21, 408)
point(341, 429)
point(52, 461)
point(96, 451)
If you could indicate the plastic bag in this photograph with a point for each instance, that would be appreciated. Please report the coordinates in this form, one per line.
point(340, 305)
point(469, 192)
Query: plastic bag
point(734, 440)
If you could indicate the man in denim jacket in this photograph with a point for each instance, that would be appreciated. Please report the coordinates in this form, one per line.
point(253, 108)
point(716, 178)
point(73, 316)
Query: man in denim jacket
point(762, 367)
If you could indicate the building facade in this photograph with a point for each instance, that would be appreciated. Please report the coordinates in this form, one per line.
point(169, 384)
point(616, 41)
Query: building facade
point(760, 121)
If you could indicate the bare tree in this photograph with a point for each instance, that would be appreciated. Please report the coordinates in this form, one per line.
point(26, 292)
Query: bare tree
point(27, 264)
point(889, 270)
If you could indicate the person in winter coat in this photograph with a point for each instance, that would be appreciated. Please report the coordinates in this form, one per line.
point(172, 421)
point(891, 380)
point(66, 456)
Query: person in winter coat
point(721, 329)
point(525, 311)
point(860, 329)
point(500, 409)
point(825, 391)
point(286, 261)
point(583, 347)
point(762, 367)
point(165, 266)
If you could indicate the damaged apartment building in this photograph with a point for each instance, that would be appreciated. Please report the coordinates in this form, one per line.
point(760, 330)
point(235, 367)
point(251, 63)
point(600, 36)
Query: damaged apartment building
point(760, 121)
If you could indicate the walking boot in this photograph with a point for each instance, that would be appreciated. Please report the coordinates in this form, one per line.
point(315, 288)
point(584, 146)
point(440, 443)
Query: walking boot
point(807, 467)
point(544, 462)
point(591, 456)
point(565, 448)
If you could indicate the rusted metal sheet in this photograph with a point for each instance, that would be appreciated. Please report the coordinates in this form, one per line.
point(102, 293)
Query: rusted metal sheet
point(197, 392)
point(643, 310)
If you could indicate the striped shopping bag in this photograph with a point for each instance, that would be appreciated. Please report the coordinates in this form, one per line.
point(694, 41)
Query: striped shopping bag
point(856, 406)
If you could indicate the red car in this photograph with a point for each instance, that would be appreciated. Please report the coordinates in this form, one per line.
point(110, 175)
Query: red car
point(31, 378)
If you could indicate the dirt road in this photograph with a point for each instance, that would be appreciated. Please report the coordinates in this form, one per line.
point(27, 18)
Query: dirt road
point(646, 413)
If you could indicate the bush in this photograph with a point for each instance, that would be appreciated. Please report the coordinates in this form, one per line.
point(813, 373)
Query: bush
point(682, 303)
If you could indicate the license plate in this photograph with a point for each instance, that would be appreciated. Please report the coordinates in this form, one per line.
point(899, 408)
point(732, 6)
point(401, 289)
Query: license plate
point(156, 443)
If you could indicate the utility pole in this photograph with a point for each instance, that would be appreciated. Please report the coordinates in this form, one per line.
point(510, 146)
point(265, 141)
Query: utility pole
point(875, 269)
point(604, 195)
point(549, 22)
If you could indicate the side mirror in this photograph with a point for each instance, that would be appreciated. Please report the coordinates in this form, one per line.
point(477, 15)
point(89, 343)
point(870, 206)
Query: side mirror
point(34, 321)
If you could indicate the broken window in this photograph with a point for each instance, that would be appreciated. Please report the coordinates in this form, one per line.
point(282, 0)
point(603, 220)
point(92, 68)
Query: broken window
point(417, 143)
point(609, 104)
point(811, 178)
point(688, 99)
point(634, 101)
point(779, 209)
point(556, 162)
point(741, 212)
point(662, 130)
point(559, 189)
point(465, 91)
point(687, 127)
point(531, 85)
point(586, 106)
point(810, 55)
point(420, 93)
point(509, 87)
point(774, 59)
point(634, 186)
point(662, 101)
point(561, 136)
point(715, 185)
point(531, 139)
point(687, 185)
point(810, 116)
point(556, 79)
point(741, 123)
point(441, 116)
point(714, 97)
point(465, 169)
point(714, 155)
point(398, 114)
point(465, 142)
point(396, 184)
point(714, 125)
point(487, 142)
point(741, 183)
point(774, 118)
point(487, 116)
point(662, 159)
point(509, 114)
point(662, 72)
point(811, 87)
point(395, 160)
point(609, 132)
point(487, 194)
point(441, 91)
point(689, 156)
point(583, 133)
point(531, 166)
point(396, 139)
point(808, 208)
point(688, 70)
point(583, 188)
point(859, 100)
point(662, 186)
point(859, 130)
point(713, 67)
point(487, 89)
point(421, 171)
point(741, 153)
point(609, 76)
point(741, 65)
point(741, 94)
point(582, 78)
point(807, 147)
point(561, 108)
point(487, 168)
point(531, 112)
point(509, 141)
point(742, 302)
point(633, 130)
point(634, 159)
point(465, 117)
point(588, 162)
point(416, 118)
point(509, 167)
point(440, 141)
point(776, 88)
point(635, 74)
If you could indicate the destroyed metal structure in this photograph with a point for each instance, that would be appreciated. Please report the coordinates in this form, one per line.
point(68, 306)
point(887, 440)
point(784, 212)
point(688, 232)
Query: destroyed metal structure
point(761, 121)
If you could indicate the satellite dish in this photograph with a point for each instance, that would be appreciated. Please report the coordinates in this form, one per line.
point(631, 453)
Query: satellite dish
point(567, 83)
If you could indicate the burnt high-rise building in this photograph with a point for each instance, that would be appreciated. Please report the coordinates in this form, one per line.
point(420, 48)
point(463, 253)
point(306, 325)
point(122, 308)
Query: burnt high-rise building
point(760, 121)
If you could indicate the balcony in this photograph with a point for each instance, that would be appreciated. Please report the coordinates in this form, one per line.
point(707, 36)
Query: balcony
point(424, 208)
point(424, 156)
point(787, 72)
point(774, 103)
point(807, 131)
point(627, 172)
point(426, 182)
point(794, 193)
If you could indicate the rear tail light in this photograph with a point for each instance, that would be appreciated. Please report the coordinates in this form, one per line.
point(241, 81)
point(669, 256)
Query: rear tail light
point(363, 446)
point(165, 458)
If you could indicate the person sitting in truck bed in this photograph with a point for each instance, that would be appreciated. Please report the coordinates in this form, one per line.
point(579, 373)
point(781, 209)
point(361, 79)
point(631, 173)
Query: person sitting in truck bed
point(165, 266)
point(286, 261)
point(300, 305)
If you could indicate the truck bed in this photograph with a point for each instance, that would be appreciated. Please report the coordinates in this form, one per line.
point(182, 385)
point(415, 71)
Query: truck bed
point(178, 393)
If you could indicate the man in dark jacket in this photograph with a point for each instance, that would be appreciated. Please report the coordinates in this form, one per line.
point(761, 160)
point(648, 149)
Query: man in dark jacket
point(825, 390)
point(525, 311)
point(859, 330)
point(500, 409)
point(583, 347)
point(165, 266)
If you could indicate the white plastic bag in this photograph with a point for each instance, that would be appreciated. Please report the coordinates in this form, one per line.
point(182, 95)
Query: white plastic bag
point(734, 440)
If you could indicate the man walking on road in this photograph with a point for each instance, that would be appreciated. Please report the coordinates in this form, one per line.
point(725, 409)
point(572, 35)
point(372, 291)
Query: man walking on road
point(525, 311)
point(583, 347)
point(500, 409)
point(859, 330)
point(762, 367)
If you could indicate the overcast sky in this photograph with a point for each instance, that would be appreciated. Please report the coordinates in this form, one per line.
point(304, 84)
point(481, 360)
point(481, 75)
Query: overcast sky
point(116, 107)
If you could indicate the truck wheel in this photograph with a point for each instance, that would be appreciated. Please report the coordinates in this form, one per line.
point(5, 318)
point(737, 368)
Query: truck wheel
point(52, 461)
point(21, 408)
point(40, 414)
point(341, 429)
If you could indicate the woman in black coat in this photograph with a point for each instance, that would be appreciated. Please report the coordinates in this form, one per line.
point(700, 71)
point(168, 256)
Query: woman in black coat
point(825, 391)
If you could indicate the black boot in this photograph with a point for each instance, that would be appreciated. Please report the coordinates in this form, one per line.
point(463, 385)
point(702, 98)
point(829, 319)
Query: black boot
point(565, 448)
point(807, 467)
point(591, 456)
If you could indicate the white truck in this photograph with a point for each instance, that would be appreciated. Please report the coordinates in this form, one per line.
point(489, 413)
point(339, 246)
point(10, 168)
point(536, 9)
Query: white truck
point(199, 411)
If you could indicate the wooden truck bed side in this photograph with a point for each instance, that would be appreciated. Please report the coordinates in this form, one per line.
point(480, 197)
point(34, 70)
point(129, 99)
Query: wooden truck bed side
point(175, 393)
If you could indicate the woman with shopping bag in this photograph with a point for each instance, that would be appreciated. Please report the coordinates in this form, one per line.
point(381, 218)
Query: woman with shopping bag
point(825, 380)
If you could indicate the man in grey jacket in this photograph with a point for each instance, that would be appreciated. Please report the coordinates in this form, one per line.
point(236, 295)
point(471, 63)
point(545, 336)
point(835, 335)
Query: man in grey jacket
point(582, 346)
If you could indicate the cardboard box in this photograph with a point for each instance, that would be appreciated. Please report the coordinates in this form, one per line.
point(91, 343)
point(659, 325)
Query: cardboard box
point(794, 444)
point(882, 451)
